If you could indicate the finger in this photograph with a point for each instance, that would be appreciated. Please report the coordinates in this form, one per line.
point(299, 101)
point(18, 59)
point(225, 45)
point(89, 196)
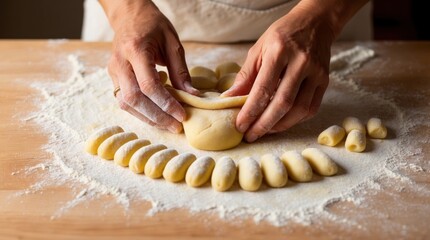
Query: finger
point(316, 100)
point(177, 66)
point(246, 76)
point(124, 106)
point(135, 99)
point(301, 107)
point(149, 82)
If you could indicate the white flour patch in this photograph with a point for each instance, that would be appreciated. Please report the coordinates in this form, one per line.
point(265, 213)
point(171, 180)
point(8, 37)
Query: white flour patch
point(74, 107)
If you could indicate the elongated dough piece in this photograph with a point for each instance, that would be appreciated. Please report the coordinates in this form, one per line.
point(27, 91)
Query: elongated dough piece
point(376, 129)
point(298, 167)
point(177, 167)
point(320, 162)
point(250, 176)
point(226, 81)
point(155, 165)
point(351, 123)
point(140, 157)
point(224, 174)
point(200, 171)
point(203, 78)
point(124, 153)
point(355, 141)
point(109, 146)
point(94, 140)
point(274, 171)
point(207, 102)
point(226, 68)
point(331, 136)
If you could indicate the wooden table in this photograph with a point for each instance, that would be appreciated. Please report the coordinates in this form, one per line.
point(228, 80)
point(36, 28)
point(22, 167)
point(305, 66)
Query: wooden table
point(20, 146)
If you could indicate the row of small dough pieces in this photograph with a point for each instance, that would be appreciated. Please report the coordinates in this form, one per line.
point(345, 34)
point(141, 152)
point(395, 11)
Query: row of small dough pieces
point(155, 160)
point(204, 78)
point(356, 138)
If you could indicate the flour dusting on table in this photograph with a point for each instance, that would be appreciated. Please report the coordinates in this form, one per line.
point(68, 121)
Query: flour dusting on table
point(72, 108)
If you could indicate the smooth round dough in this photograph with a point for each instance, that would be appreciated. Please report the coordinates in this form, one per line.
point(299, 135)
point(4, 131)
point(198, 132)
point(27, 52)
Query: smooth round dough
point(203, 78)
point(95, 139)
point(226, 81)
point(109, 146)
point(177, 167)
point(226, 68)
point(274, 171)
point(224, 174)
point(212, 130)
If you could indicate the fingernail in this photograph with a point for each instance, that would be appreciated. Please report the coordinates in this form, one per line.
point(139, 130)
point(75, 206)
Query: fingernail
point(178, 116)
point(251, 137)
point(175, 129)
point(242, 128)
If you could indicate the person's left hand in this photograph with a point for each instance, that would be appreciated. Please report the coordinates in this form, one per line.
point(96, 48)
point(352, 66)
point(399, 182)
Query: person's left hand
point(285, 74)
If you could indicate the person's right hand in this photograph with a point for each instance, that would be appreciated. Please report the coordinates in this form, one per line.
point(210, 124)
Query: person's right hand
point(143, 38)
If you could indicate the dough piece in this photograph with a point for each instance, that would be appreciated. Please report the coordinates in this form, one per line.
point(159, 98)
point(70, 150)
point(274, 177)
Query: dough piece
point(355, 141)
point(155, 165)
point(124, 153)
point(109, 146)
point(163, 77)
point(351, 123)
point(376, 129)
point(298, 167)
point(226, 68)
point(274, 171)
point(212, 129)
point(224, 174)
point(320, 162)
point(140, 157)
point(203, 78)
point(331, 136)
point(250, 176)
point(207, 102)
point(177, 167)
point(226, 81)
point(200, 171)
point(94, 140)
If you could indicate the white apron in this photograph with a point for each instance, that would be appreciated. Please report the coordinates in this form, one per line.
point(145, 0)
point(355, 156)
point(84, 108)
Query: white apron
point(219, 21)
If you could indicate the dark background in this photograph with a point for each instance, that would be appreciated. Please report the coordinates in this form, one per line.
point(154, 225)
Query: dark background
point(40, 19)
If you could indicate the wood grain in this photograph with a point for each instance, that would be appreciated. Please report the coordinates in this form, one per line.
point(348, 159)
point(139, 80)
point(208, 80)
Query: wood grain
point(29, 216)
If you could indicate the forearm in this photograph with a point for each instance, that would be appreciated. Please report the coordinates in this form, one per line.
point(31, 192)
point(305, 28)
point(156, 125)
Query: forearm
point(334, 13)
point(115, 9)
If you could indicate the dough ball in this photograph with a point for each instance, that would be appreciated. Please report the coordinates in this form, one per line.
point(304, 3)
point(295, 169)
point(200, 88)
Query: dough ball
point(212, 129)
point(226, 68)
point(203, 78)
point(226, 81)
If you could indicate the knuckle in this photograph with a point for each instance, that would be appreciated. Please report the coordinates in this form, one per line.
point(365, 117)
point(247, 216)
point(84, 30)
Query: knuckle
point(285, 101)
point(131, 98)
point(263, 93)
point(261, 128)
point(168, 104)
point(147, 86)
point(123, 105)
point(313, 111)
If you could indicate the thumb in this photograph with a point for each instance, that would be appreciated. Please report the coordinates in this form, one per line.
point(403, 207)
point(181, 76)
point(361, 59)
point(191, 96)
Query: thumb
point(244, 79)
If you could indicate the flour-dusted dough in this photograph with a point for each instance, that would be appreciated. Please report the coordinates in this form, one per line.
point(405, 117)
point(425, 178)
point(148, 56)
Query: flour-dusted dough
point(94, 140)
point(355, 141)
point(200, 171)
point(250, 175)
point(212, 129)
point(226, 68)
point(203, 78)
point(155, 165)
point(224, 174)
point(331, 136)
point(298, 167)
point(376, 129)
point(274, 171)
point(226, 81)
point(177, 167)
point(320, 162)
point(207, 101)
point(140, 157)
point(351, 123)
point(124, 153)
point(109, 146)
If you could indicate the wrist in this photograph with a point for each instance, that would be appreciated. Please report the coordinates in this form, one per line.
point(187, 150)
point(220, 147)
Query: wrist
point(332, 15)
point(115, 10)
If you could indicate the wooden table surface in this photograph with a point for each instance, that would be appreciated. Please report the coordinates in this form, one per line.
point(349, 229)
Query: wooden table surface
point(29, 216)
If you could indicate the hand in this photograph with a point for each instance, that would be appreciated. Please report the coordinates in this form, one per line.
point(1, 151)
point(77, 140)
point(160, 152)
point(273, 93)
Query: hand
point(144, 37)
point(285, 72)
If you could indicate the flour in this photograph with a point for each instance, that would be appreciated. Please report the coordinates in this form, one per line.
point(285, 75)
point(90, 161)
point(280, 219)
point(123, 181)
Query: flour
point(72, 108)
